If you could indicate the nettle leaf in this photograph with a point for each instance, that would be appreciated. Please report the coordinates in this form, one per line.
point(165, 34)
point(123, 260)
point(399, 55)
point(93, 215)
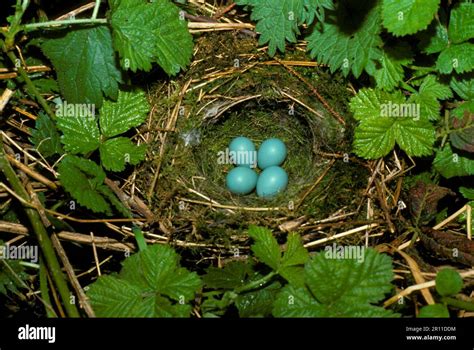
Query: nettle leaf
point(403, 17)
point(462, 127)
point(448, 282)
point(266, 247)
point(463, 85)
point(457, 57)
point(45, 136)
point(351, 49)
point(151, 284)
point(147, 32)
point(387, 119)
point(80, 134)
point(450, 164)
point(434, 311)
point(339, 288)
point(430, 91)
point(84, 180)
point(117, 152)
point(391, 65)
point(130, 110)
point(461, 23)
point(85, 64)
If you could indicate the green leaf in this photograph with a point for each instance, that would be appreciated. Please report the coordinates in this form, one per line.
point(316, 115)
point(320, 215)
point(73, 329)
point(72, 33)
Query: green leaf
point(151, 284)
point(130, 110)
point(277, 21)
point(463, 86)
point(293, 260)
point(339, 288)
point(353, 46)
point(448, 282)
point(82, 178)
point(258, 303)
point(391, 70)
point(403, 17)
point(45, 136)
point(461, 23)
point(451, 164)
point(462, 127)
point(266, 247)
point(430, 91)
point(11, 272)
point(147, 32)
point(80, 134)
point(467, 193)
point(382, 125)
point(231, 276)
point(435, 39)
point(434, 311)
point(85, 64)
point(117, 152)
point(457, 57)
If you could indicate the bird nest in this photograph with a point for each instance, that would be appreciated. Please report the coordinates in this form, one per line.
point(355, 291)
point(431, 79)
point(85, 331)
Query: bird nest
point(240, 93)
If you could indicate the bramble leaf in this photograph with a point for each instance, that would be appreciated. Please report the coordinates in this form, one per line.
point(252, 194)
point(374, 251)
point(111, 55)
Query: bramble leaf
point(430, 91)
point(448, 282)
point(85, 64)
point(403, 17)
point(457, 57)
point(119, 151)
point(266, 247)
point(391, 70)
point(45, 136)
point(434, 311)
point(450, 164)
point(151, 284)
point(80, 134)
point(461, 23)
point(147, 32)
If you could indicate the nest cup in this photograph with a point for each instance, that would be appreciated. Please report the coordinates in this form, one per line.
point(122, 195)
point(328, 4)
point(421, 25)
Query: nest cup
point(260, 103)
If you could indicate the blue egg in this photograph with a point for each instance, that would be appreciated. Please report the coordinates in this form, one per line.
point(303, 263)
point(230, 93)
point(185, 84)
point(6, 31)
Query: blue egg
point(241, 180)
point(271, 181)
point(271, 152)
point(243, 152)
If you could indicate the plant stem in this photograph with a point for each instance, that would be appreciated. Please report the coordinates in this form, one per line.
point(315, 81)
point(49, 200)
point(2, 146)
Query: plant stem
point(28, 82)
point(45, 292)
point(460, 304)
point(256, 284)
point(96, 9)
point(34, 26)
point(41, 234)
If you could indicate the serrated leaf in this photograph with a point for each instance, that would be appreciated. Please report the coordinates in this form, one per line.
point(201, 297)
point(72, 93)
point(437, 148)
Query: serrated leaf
point(266, 247)
point(85, 64)
point(81, 178)
point(391, 70)
point(351, 48)
point(403, 17)
point(231, 276)
point(448, 282)
point(339, 288)
point(435, 39)
point(147, 32)
point(151, 284)
point(11, 272)
point(467, 193)
point(110, 196)
point(385, 119)
point(461, 23)
point(434, 311)
point(451, 164)
point(462, 127)
point(457, 57)
point(45, 136)
point(258, 303)
point(427, 97)
point(80, 134)
point(130, 110)
point(119, 151)
point(295, 253)
point(463, 85)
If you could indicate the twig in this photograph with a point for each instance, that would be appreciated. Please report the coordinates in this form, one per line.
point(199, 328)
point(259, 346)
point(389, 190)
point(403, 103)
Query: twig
point(331, 163)
point(7, 94)
point(222, 206)
point(339, 235)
